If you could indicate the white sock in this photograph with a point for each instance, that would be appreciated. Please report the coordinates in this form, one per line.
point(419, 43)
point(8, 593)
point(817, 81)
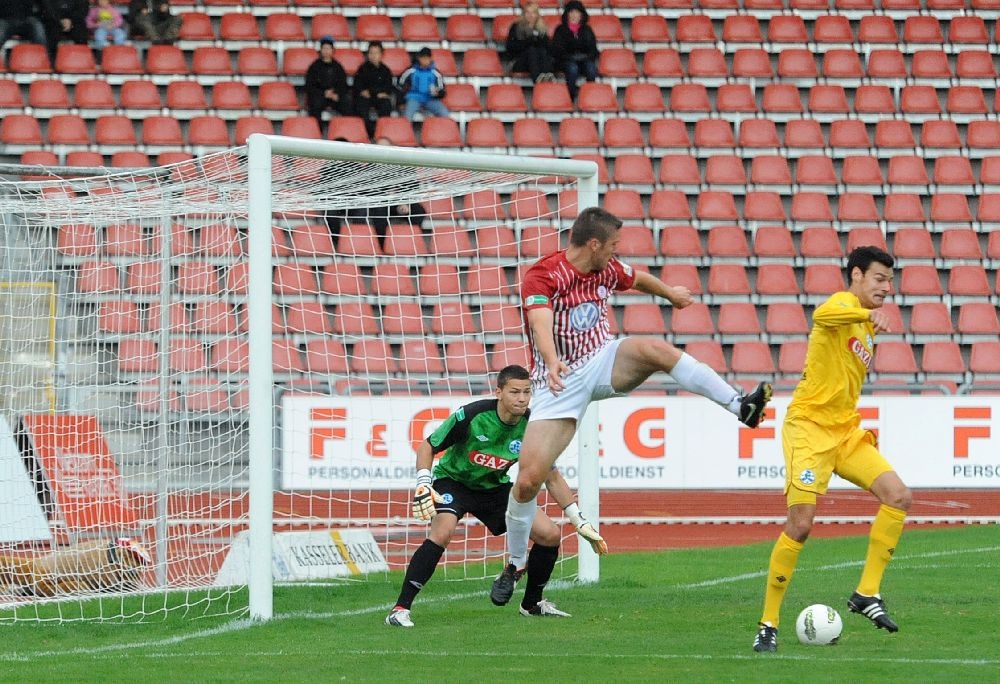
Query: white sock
point(519, 519)
point(694, 376)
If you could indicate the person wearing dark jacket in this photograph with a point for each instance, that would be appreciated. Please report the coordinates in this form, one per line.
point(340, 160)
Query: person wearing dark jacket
point(21, 18)
point(528, 45)
point(66, 22)
point(326, 85)
point(574, 46)
point(152, 18)
point(373, 88)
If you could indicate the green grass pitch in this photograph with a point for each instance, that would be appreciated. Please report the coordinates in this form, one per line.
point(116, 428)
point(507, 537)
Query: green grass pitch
point(685, 616)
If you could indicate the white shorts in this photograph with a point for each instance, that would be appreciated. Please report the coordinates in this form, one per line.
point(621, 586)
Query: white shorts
point(590, 382)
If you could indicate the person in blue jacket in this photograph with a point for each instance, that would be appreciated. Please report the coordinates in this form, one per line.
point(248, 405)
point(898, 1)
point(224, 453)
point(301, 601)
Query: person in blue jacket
point(422, 86)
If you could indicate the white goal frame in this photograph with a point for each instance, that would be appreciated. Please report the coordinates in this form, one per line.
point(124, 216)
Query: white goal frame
point(260, 149)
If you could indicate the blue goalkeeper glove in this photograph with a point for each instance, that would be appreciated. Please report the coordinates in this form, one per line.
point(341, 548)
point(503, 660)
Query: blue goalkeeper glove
point(424, 496)
point(586, 530)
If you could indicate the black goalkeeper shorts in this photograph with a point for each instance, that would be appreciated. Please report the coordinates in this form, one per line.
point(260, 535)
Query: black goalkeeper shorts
point(488, 505)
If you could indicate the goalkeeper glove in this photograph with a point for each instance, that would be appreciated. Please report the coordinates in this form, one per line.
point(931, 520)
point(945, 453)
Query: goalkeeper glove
point(586, 530)
point(424, 496)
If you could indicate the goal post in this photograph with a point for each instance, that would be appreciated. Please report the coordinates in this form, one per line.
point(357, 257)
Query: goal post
point(262, 204)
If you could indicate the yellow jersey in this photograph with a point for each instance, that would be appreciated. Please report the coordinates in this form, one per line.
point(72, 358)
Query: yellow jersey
point(840, 352)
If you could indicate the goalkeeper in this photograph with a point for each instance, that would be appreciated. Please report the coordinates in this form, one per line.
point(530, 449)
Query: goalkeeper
point(481, 441)
point(114, 565)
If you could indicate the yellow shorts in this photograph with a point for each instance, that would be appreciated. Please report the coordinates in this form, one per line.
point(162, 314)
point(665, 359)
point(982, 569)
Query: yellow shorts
point(814, 453)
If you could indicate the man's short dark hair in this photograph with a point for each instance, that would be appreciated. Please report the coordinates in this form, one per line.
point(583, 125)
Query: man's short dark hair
point(512, 372)
point(593, 222)
point(863, 257)
point(375, 43)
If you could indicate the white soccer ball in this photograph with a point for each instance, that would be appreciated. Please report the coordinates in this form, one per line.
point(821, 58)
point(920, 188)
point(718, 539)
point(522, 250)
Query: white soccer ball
point(818, 625)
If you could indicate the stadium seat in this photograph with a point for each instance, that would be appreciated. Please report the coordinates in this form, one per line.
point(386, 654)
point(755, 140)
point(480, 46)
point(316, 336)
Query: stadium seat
point(500, 318)
point(931, 67)
point(787, 29)
point(887, 65)
point(913, 244)
point(620, 133)
point(20, 132)
point(977, 320)
point(740, 28)
point(329, 24)
point(716, 205)
point(294, 279)
point(11, 101)
point(662, 66)
point(232, 97)
point(862, 173)
point(728, 281)
point(296, 60)
point(256, 61)
point(975, 67)
point(547, 98)
point(763, 206)
point(358, 239)
point(28, 58)
point(161, 131)
point(196, 26)
point(680, 171)
point(966, 281)
point(822, 280)
point(307, 317)
point(669, 205)
point(919, 102)
point(820, 242)
point(967, 30)
point(140, 95)
point(372, 356)
point(690, 100)
point(83, 158)
point(165, 60)
point(211, 60)
point(817, 172)
point(634, 171)
point(831, 30)
point(284, 26)
point(487, 134)
point(643, 98)
point(247, 125)
point(784, 320)
point(595, 97)
point(798, 65)
point(398, 130)
point(872, 101)
point(752, 358)
point(68, 130)
point(137, 355)
point(440, 131)
point(76, 239)
point(752, 62)
point(919, 280)
point(942, 360)
point(907, 173)
point(121, 60)
point(507, 98)
point(758, 136)
point(738, 323)
point(239, 27)
point(692, 321)
point(803, 136)
point(75, 59)
point(712, 134)
point(637, 241)
point(482, 62)
point(98, 277)
point(114, 131)
point(647, 30)
point(617, 63)
point(393, 280)
point(47, 96)
point(707, 65)
point(326, 355)
point(508, 351)
point(735, 97)
point(119, 317)
point(405, 240)
point(930, 320)
point(922, 29)
point(895, 358)
point(959, 244)
point(877, 29)
point(695, 28)
point(642, 318)
point(301, 127)
point(777, 281)
point(465, 29)
point(670, 134)
point(773, 242)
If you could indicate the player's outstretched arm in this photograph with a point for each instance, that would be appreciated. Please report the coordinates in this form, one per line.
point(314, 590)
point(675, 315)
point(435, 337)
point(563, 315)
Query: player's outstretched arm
point(678, 295)
point(560, 491)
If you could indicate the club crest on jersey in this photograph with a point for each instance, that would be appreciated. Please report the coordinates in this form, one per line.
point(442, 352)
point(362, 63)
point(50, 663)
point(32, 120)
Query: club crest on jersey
point(491, 461)
point(859, 349)
point(807, 477)
point(602, 291)
point(447, 498)
point(514, 447)
point(584, 316)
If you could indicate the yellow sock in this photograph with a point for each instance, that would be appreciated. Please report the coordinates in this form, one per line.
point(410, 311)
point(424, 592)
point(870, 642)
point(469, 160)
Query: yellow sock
point(784, 558)
point(886, 531)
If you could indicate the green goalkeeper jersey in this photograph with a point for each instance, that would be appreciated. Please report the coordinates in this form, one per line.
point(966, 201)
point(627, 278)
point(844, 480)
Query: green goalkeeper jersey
point(479, 447)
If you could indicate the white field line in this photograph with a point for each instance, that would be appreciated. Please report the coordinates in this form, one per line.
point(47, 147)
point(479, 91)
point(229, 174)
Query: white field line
point(117, 650)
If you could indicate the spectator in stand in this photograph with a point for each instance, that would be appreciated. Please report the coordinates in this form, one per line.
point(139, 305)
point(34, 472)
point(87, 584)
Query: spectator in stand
point(67, 22)
point(152, 19)
point(528, 45)
point(381, 218)
point(326, 85)
point(422, 86)
point(107, 23)
point(374, 90)
point(21, 18)
point(574, 46)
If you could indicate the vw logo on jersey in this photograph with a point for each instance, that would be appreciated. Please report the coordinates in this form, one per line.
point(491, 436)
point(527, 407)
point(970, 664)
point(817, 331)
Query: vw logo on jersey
point(602, 291)
point(807, 477)
point(447, 498)
point(869, 342)
point(584, 316)
point(514, 447)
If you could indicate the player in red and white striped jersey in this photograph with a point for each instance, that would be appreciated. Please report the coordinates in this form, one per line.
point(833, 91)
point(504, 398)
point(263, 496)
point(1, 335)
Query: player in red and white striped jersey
point(575, 360)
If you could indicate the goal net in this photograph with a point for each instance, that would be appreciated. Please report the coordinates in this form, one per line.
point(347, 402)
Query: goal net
point(214, 373)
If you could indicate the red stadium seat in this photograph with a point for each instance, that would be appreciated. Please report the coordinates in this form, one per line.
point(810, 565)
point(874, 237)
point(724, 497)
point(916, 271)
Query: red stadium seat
point(165, 59)
point(121, 59)
point(28, 58)
point(752, 62)
point(286, 26)
point(196, 26)
point(211, 60)
point(75, 59)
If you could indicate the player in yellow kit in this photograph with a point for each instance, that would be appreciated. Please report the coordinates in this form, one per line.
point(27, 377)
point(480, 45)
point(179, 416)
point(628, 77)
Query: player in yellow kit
point(821, 435)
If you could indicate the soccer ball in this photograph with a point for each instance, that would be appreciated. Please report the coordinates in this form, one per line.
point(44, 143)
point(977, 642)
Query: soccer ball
point(818, 625)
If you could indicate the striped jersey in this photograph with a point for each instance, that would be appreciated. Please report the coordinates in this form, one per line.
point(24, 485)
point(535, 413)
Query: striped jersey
point(579, 303)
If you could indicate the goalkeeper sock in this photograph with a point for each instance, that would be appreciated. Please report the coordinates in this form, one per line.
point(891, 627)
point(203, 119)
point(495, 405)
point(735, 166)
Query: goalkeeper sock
point(887, 528)
point(520, 516)
point(541, 561)
point(694, 376)
point(784, 558)
point(419, 572)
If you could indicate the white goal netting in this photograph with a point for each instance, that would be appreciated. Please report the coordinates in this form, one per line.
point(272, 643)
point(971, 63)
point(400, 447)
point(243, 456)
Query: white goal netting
point(125, 361)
